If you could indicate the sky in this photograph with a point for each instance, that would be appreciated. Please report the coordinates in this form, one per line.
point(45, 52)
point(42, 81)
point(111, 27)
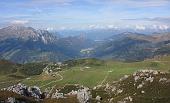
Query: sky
point(86, 14)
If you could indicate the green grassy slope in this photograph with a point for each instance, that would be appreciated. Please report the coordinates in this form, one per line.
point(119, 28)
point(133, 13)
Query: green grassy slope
point(88, 72)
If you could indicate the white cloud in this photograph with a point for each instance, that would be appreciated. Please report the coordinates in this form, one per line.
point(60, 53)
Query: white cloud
point(140, 27)
point(160, 27)
point(91, 26)
point(50, 29)
point(163, 27)
point(57, 2)
point(98, 26)
point(154, 26)
point(160, 19)
point(19, 22)
point(146, 3)
point(132, 3)
point(112, 27)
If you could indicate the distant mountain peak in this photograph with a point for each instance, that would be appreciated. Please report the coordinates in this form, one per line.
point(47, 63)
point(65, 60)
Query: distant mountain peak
point(18, 27)
point(26, 33)
point(130, 33)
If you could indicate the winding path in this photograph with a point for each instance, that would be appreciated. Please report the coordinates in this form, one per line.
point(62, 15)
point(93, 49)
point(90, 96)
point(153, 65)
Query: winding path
point(61, 78)
point(105, 77)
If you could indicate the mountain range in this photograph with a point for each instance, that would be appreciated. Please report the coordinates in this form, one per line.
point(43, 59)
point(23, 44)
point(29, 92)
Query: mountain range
point(130, 46)
point(102, 33)
point(25, 44)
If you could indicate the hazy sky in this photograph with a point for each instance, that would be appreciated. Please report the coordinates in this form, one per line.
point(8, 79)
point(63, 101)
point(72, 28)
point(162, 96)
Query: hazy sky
point(62, 14)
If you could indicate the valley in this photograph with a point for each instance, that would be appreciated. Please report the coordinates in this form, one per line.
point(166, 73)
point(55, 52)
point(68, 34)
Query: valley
point(32, 45)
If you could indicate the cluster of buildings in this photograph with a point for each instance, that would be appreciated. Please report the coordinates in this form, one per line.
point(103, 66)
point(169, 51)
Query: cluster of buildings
point(54, 67)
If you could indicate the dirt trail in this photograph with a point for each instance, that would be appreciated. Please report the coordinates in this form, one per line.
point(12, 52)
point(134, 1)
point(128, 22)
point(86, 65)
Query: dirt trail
point(61, 78)
point(105, 77)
